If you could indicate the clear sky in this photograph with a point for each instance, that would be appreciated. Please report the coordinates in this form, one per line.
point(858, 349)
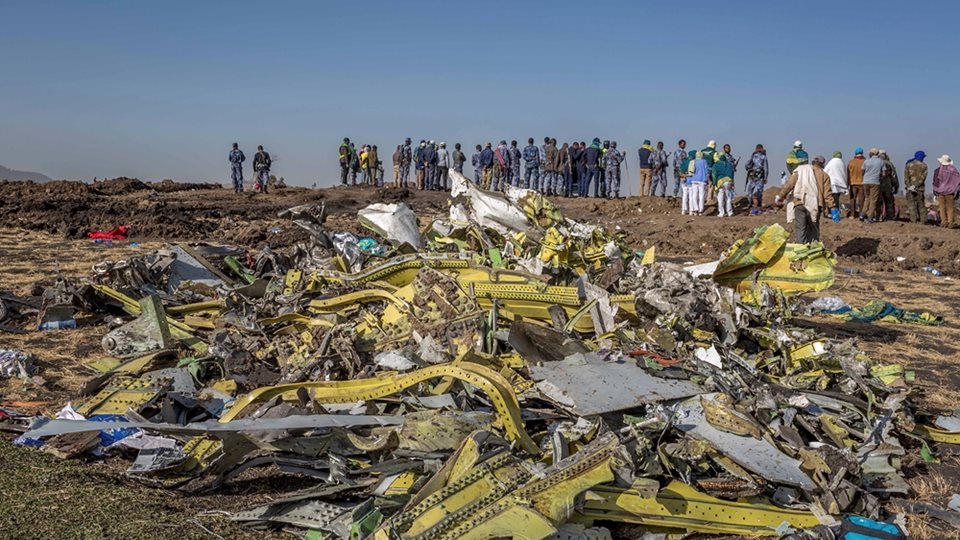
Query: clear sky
point(160, 89)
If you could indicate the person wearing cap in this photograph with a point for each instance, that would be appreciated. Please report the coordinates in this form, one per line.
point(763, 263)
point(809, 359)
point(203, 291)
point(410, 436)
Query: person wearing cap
point(591, 158)
point(758, 170)
point(344, 159)
point(443, 168)
point(946, 183)
point(872, 168)
point(611, 162)
point(645, 153)
point(837, 171)
point(855, 181)
point(531, 158)
point(889, 186)
point(659, 160)
point(515, 158)
point(459, 158)
point(261, 168)
point(722, 173)
point(810, 187)
point(798, 156)
point(487, 160)
point(679, 170)
point(406, 158)
point(915, 181)
point(236, 159)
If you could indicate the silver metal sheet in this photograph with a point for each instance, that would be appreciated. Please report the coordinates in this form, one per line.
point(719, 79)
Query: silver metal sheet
point(758, 456)
point(585, 384)
point(315, 421)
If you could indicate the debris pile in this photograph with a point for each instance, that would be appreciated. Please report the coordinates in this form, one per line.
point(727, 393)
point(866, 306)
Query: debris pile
point(502, 372)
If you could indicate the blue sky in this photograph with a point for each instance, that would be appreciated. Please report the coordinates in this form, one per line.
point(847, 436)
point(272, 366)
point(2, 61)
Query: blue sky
point(160, 90)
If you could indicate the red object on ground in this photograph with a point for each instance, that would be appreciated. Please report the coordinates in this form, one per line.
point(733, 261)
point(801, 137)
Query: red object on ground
point(117, 233)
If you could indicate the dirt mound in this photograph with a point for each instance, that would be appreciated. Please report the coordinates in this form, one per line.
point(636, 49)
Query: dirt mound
point(118, 186)
point(169, 186)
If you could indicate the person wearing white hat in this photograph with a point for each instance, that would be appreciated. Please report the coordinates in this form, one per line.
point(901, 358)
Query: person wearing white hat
point(710, 154)
point(798, 156)
point(946, 183)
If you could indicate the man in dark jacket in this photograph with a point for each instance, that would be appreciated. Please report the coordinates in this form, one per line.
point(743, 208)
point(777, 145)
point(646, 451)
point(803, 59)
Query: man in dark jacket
point(591, 161)
point(428, 158)
point(261, 166)
point(646, 168)
point(486, 166)
point(236, 159)
point(531, 155)
point(459, 158)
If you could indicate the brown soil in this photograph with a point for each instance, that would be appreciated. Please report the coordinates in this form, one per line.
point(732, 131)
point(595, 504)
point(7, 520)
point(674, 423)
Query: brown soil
point(42, 230)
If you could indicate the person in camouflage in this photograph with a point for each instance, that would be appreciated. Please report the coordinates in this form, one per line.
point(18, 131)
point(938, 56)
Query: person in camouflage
point(406, 158)
point(679, 172)
point(915, 180)
point(889, 185)
point(515, 158)
point(611, 162)
point(658, 159)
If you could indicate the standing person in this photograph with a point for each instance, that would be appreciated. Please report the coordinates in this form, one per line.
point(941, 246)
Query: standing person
point(261, 165)
point(373, 164)
point(602, 181)
point(758, 171)
point(611, 163)
point(915, 181)
point(723, 183)
point(946, 183)
point(591, 158)
point(549, 166)
point(812, 194)
point(735, 162)
point(458, 158)
point(443, 168)
point(679, 171)
point(501, 166)
point(710, 154)
point(543, 164)
point(397, 164)
point(659, 160)
point(646, 167)
point(573, 178)
point(354, 164)
point(855, 181)
point(515, 158)
point(889, 185)
point(798, 156)
point(531, 158)
point(699, 171)
point(428, 157)
point(236, 159)
point(563, 168)
point(837, 171)
point(418, 164)
point(406, 158)
point(344, 159)
point(475, 161)
point(872, 168)
point(364, 165)
point(487, 160)
point(581, 165)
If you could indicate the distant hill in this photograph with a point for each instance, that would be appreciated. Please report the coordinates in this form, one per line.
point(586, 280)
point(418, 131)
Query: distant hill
point(10, 174)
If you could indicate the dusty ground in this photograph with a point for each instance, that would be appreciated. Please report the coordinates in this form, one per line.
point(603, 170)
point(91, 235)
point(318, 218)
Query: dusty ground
point(42, 229)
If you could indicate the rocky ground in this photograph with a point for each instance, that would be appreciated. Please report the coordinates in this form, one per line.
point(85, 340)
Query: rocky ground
point(43, 227)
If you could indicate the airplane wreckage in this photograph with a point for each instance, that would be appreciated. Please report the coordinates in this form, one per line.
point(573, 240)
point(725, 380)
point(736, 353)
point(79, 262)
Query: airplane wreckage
point(503, 372)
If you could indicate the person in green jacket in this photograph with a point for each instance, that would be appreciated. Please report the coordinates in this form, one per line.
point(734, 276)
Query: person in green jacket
point(722, 178)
